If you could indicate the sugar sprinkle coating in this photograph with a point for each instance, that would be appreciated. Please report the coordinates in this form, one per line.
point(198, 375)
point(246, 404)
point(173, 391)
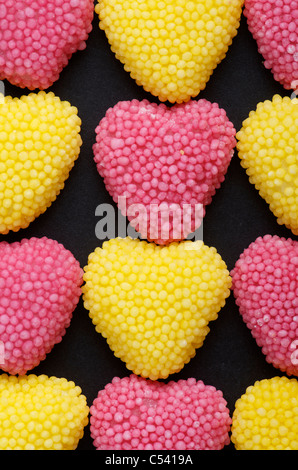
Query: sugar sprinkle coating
point(40, 286)
point(266, 291)
point(38, 412)
point(274, 25)
point(39, 144)
point(137, 414)
point(170, 47)
point(166, 162)
point(266, 416)
point(153, 303)
point(38, 37)
point(267, 147)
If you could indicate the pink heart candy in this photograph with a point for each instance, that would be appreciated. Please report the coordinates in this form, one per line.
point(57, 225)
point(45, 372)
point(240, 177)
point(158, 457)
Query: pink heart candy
point(133, 413)
point(38, 37)
point(40, 286)
point(265, 286)
point(163, 165)
point(274, 25)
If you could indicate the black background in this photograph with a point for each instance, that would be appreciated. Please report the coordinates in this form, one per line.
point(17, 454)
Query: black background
point(94, 81)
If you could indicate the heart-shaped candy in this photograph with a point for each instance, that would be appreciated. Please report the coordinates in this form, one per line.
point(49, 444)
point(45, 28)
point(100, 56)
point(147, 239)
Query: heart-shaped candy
point(266, 290)
point(265, 416)
point(274, 25)
point(153, 303)
point(268, 149)
point(38, 37)
point(39, 143)
point(137, 414)
point(41, 413)
point(40, 286)
point(163, 165)
point(170, 48)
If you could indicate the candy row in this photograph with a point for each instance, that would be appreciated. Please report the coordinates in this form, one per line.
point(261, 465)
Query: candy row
point(153, 305)
point(165, 163)
point(132, 413)
point(170, 49)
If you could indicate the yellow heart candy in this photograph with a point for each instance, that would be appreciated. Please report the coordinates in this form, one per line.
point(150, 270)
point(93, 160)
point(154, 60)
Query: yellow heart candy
point(268, 149)
point(265, 416)
point(39, 143)
point(41, 413)
point(153, 303)
point(170, 47)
